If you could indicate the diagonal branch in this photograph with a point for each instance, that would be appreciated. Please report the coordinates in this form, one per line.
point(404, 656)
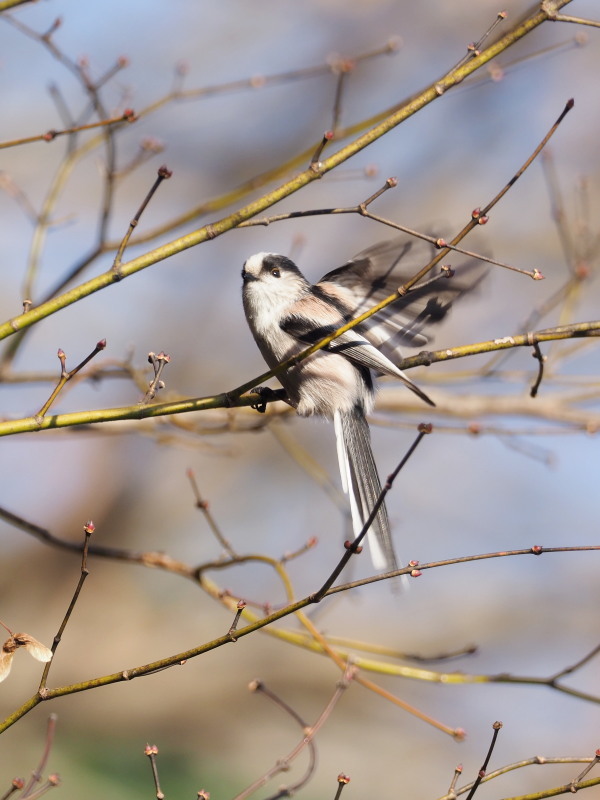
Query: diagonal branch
point(312, 173)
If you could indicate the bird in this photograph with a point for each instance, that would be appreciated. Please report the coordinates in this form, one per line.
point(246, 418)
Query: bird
point(286, 314)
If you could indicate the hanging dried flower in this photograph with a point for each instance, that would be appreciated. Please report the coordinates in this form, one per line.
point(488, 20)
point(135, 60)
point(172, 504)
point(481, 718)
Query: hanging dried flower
point(38, 650)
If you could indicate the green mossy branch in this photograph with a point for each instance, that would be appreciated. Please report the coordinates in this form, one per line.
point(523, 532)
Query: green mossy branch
point(233, 398)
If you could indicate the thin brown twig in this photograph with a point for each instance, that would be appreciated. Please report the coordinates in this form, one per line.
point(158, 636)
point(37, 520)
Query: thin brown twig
point(163, 174)
point(307, 740)
point(65, 376)
point(342, 780)
point(356, 545)
point(238, 614)
point(151, 750)
point(496, 726)
point(474, 48)
point(88, 529)
point(49, 136)
point(36, 775)
point(259, 686)
point(555, 17)
point(159, 362)
point(528, 762)
point(212, 524)
point(575, 783)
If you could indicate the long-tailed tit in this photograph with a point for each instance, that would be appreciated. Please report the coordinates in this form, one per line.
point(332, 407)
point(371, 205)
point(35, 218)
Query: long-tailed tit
point(286, 314)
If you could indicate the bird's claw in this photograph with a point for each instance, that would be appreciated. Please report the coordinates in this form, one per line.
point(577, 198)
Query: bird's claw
point(266, 395)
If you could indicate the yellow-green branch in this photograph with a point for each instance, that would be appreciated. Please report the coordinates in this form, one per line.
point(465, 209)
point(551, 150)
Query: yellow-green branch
point(31, 424)
point(314, 172)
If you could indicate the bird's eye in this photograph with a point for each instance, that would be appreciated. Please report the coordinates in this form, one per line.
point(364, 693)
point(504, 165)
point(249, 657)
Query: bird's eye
point(275, 272)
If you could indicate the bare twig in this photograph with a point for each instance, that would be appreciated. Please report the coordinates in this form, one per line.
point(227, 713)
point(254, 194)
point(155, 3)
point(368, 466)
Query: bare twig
point(356, 546)
point(151, 750)
point(159, 362)
point(309, 732)
point(496, 726)
point(66, 376)
point(88, 529)
point(163, 174)
point(212, 524)
point(36, 775)
point(127, 116)
point(537, 354)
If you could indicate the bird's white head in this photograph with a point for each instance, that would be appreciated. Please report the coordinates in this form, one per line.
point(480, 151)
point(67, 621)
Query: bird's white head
point(271, 282)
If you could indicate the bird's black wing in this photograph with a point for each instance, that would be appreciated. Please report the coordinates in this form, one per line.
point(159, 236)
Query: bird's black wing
point(378, 271)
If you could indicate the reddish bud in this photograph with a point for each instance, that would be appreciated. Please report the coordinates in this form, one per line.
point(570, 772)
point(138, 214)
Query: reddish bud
point(101, 344)
point(476, 213)
point(129, 115)
point(123, 61)
point(483, 220)
point(312, 542)
point(416, 573)
point(341, 778)
point(50, 135)
point(440, 243)
point(497, 725)
point(164, 172)
point(61, 353)
point(18, 783)
point(413, 563)
point(537, 550)
point(474, 428)
point(425, 427)
point(348, 545)
point(460, 734)
point(89, 527)
point(537, 275)
point(54, 779)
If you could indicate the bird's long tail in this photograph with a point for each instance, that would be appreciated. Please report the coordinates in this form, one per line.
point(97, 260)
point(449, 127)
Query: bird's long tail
point(360, 481)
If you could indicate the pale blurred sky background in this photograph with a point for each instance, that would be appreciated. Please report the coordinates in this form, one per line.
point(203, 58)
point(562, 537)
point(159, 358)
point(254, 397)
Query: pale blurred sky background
point(459, 495)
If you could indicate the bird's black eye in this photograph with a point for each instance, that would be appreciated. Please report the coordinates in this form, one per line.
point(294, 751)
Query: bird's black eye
point(276, 272)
